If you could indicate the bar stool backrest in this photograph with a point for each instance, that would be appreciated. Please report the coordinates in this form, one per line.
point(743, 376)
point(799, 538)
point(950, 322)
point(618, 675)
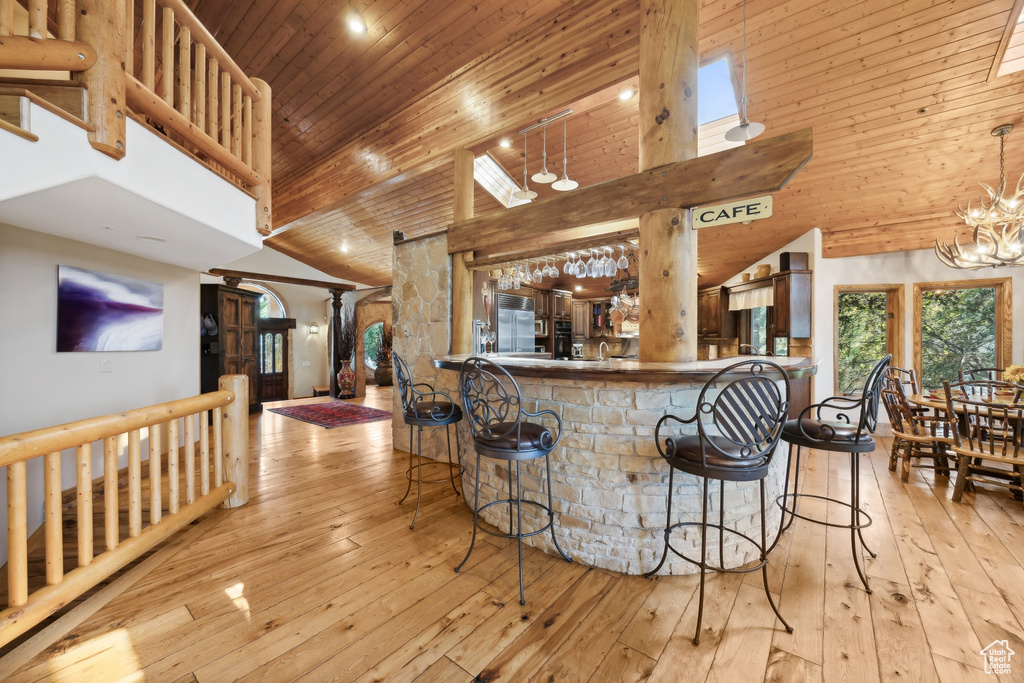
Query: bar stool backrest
point(419, 399)
point(491, 400)
point(872, 396)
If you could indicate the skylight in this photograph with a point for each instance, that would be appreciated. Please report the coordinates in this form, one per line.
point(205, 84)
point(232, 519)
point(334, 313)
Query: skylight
point(716, 96)
point(492, 177)
point(1013, 55)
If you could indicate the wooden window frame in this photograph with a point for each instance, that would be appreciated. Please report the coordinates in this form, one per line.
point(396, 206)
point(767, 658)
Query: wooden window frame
point(894, 330)
point(1004, 316)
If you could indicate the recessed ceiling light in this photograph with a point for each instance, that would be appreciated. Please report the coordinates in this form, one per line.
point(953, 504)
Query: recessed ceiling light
point(147, 238)
point(506, 143)
point(626, 94)
point(344, 249)
point(108, 227)
point(579, 288)
point(356, 23)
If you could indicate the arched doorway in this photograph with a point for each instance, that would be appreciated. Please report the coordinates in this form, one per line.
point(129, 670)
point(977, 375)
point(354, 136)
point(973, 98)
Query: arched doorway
point(274, 357)
point(371, 347)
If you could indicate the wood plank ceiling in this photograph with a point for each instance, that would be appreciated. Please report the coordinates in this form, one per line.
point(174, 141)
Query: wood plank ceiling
point(901, 97)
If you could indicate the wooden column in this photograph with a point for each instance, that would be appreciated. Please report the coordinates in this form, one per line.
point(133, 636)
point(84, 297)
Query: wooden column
point(235, 428)
point(102, 23)
point(668, 133)
point(262, 121)
point(336, 324)
point(462, 278)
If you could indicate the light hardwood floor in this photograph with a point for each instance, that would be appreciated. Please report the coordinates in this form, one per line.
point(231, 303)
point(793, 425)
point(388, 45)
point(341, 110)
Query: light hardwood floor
point(320, 578)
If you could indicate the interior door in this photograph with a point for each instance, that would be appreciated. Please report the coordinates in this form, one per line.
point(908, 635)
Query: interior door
point(273, 358)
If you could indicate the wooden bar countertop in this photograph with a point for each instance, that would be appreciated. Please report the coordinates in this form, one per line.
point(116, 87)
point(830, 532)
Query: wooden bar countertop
point(796, 367)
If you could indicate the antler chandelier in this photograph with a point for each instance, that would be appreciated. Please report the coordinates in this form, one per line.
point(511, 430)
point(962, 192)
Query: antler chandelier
point(997, 220)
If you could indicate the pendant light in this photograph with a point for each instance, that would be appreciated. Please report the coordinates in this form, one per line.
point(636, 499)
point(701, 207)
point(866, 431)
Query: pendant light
point(746, 130)
point(526, 192)
point(544, 176)
point(564, 185)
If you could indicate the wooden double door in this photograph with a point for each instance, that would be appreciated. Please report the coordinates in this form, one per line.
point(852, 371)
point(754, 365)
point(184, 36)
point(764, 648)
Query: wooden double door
point(233, 349)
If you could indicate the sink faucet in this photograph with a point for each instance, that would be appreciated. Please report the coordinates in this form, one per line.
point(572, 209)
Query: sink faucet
point(600, 353)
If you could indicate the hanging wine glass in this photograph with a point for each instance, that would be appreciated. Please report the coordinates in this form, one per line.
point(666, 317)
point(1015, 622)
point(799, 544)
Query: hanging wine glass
point(609, 266)
point(538, 275)
point(524, 274)
point(623, 262)
point(526, 192)
point(569, 267)
point(602, 262)
point(546, 270)
point(591, 265)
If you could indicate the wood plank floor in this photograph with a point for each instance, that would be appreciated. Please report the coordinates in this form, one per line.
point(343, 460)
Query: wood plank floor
point(320, 578)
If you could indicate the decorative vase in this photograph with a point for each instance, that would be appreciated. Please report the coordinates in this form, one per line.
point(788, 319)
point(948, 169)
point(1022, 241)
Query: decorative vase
point(382, 375)
point(346, 380)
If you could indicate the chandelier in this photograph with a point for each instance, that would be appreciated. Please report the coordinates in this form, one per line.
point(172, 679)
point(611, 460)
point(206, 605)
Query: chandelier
point(997, 220)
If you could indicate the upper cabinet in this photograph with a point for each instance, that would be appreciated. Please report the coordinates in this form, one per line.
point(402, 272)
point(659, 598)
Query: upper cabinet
point(581, 320)
point(792, 303)
point(561, 304)
point(714, 319)
point(542, 304)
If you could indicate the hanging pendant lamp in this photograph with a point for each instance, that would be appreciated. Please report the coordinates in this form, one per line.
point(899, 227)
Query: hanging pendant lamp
point(746, 130)
point(526, 192)
point(564, 185)
point(544, 176)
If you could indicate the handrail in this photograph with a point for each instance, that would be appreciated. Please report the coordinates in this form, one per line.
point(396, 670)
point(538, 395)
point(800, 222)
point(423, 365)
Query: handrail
point(222, 474)
point(39, 49)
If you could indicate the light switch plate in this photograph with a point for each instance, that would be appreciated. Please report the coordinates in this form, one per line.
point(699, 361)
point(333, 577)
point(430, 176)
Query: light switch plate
point(106, 365)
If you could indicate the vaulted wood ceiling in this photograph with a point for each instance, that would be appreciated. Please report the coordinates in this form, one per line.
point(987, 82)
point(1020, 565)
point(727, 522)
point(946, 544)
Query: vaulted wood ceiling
point(900, 95)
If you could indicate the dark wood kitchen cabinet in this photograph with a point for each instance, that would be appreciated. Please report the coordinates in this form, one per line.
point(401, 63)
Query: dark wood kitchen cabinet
point(792, 305)
point(714, 319)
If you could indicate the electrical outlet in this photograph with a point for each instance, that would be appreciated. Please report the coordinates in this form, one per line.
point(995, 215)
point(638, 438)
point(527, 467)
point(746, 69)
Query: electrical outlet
point(106, 365)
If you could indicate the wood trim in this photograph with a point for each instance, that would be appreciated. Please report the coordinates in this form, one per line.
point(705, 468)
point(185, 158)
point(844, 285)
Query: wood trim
point(46, 54)
point(762, 166)
point(264, 277)
point(48, 106)
point(895, 332)
point(1004, 42)
point(20, 132)
point(1004, 316)
point(606, 240)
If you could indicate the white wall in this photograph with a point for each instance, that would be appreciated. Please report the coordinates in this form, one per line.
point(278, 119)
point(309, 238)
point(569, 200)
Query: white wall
point(41, 387)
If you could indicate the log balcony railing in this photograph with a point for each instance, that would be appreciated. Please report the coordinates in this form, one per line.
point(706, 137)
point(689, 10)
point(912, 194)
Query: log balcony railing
point(156, 59)
point(221, 475)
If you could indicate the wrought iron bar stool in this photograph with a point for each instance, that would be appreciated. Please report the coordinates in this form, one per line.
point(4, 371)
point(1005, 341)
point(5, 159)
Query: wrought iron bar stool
point(494, 406)
point(738, 430)
point(811, 429)
point(421, 409)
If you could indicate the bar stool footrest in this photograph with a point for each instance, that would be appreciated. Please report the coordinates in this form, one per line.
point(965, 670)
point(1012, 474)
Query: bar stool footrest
point(715, 568)
point(451, 477)
point(507, 501)
point(791, 511)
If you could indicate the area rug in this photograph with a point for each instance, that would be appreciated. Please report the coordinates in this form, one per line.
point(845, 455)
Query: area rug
point(333, 414)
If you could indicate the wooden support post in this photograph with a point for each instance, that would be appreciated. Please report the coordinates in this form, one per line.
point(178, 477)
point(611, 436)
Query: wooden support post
point(37, 19)
point(199, 88)
point(184, 73)
point(148, 43)
point(54, 520)
point(167, 56)
point(156, 496)
point(225, 111)
point(262, 121)
point(668, 133)
point(235, 417)
point(134, 483)
point(462, 277)
point(129, 34)
point(66, 20)
point(111, 527)
point(336, 323)
point(17, 535)
point(83, 487)
point(102, 23)
point(213, 86)
point(7, 17)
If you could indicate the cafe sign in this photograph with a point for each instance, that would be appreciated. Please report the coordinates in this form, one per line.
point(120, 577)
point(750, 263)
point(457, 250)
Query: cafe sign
point(740, 211)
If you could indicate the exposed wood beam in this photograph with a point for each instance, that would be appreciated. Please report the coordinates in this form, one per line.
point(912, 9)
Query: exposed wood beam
point(550, 248)
point(264, 277)
point(761, 166)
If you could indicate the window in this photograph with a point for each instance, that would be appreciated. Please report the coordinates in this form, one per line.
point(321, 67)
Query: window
point(371, 344)
point(272, 352)
point(716, 93)
point(271, 305)
point(869, 326)
point(759, 329)
point(960, 325)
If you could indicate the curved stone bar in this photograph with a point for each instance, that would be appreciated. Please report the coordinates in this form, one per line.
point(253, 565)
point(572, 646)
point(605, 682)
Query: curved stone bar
point(609, 484)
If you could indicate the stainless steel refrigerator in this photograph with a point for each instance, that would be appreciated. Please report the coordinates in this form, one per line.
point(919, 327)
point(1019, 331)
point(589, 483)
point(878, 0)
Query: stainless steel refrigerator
point(515, 324)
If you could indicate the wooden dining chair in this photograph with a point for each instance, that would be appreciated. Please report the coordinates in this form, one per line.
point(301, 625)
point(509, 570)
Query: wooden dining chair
point(988, 434)
point(989, 374)
point(915, 434)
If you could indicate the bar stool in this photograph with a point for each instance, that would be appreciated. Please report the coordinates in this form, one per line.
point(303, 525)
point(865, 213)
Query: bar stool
point(838, 435)
point(493, 402)
point(421, 409)
point(737, 433)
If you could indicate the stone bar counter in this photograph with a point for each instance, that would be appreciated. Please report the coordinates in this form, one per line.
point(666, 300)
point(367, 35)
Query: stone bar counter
point(609, 484)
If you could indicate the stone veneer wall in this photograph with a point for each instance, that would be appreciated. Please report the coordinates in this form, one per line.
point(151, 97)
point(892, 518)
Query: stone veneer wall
point(610, 485)
point(421, 321)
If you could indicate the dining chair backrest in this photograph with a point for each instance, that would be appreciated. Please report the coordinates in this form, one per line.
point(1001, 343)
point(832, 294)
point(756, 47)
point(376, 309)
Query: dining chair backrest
point(905, 376)
point(897, 406)
point(990, 374)
point(987, 423)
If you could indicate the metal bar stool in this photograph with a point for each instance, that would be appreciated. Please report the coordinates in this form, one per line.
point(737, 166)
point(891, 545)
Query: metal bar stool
point(812, 430)
point(493, 402)
point(421, 409)
point(737, 433)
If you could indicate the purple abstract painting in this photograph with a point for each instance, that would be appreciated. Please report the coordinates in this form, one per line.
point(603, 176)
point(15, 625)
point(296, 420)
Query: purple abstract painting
point(103, 312)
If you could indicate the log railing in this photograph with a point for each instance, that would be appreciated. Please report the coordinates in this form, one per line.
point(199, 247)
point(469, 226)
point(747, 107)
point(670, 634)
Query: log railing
point(213, 469)
point(171, 71)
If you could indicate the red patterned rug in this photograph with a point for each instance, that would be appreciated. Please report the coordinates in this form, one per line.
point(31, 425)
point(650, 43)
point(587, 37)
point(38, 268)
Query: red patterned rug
point(333, 414)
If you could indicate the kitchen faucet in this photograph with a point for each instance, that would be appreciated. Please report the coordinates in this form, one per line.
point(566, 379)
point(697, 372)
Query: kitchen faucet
point(600, 353)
